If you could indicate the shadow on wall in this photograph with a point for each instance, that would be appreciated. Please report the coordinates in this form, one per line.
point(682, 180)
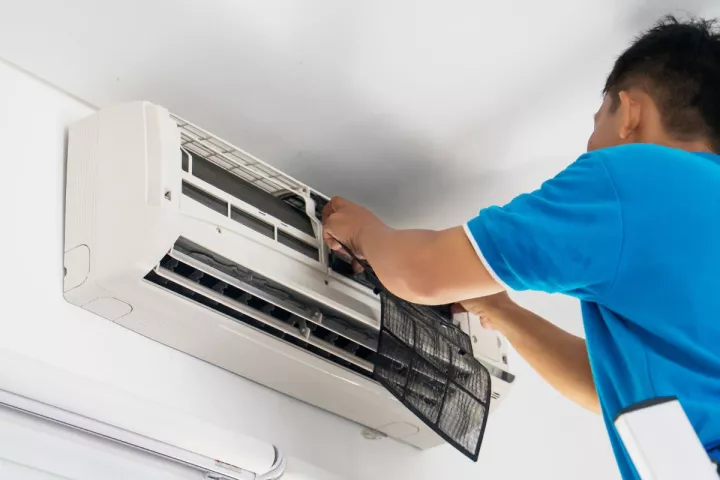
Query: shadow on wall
point(471, 195)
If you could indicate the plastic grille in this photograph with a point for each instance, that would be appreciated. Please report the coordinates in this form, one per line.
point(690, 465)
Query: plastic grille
point(228, 157)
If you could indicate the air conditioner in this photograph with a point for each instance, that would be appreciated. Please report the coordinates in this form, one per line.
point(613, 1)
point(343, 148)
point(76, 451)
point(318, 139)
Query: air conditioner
point(188, 240)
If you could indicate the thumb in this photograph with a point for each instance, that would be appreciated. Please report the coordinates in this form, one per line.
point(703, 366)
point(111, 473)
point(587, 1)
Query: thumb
point(330, 241)
point(486, 323)
point(329, 233)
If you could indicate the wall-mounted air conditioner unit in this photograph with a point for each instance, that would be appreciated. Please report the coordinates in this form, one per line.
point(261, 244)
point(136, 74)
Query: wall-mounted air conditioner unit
point(188, 240)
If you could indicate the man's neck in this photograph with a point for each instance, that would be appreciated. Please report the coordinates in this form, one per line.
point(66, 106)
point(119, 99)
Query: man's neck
point(694, 146)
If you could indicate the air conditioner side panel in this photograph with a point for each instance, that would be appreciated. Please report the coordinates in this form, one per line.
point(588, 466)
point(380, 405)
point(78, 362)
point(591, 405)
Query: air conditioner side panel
point(122, 196)
point(80, 204)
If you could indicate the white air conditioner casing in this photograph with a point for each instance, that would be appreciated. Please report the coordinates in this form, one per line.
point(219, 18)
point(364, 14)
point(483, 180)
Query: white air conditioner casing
point(168, 250)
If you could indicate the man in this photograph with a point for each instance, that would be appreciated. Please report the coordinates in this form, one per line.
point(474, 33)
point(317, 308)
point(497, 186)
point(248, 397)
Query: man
point(631, 229)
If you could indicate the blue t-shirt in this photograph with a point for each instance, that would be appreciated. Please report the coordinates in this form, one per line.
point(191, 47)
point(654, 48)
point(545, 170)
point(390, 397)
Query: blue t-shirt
point(634, 233)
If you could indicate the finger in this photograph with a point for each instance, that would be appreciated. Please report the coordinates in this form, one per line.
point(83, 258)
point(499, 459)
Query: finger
point(332, 229)
point(349, 249)
point(331, 241)
point(357, 268)
point(486, 324)
point(342, 253)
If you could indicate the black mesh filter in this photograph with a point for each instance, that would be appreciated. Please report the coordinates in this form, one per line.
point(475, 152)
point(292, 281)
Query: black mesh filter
point(427, 363)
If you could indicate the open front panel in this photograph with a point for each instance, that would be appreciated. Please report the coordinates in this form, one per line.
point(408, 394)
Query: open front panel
point(284, 209)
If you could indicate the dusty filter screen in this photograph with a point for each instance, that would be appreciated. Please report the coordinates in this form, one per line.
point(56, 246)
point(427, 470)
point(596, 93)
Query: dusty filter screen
point(427, 363)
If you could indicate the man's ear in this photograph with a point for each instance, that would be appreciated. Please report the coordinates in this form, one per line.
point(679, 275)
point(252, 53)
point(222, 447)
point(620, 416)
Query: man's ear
point(630, 111)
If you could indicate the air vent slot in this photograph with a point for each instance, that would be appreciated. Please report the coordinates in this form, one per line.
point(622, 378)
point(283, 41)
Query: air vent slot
point(185, 160)
point(253, 222)
point(298, 245)
point(205, 198)
point(249, 193)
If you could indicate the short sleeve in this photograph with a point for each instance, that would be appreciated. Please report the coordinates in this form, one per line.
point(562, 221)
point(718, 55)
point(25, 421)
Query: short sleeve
point(564, 237)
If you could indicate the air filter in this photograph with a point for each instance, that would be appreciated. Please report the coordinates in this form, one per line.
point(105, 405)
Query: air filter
point(426, 362)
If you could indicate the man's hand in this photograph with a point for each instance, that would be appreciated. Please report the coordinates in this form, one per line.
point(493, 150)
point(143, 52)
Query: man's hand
point(345, 223)
point(491, 309)
point(559, 357)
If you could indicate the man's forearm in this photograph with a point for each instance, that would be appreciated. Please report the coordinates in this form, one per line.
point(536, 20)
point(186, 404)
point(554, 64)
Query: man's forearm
point(421, 266)
point(397, 257)
point(427, 266)
point(558, 356)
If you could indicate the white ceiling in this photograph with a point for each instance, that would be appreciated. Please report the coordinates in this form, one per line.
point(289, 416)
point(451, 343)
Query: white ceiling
point(408, 106)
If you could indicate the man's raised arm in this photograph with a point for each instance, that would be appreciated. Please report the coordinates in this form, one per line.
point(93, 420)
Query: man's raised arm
point(421, 266)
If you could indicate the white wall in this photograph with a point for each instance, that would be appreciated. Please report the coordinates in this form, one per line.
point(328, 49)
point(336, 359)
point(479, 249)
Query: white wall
point(33, 448)
point(54, 350)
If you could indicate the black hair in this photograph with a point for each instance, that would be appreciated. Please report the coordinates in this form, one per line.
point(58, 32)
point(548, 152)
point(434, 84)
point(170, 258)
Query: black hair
point(678, 64)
